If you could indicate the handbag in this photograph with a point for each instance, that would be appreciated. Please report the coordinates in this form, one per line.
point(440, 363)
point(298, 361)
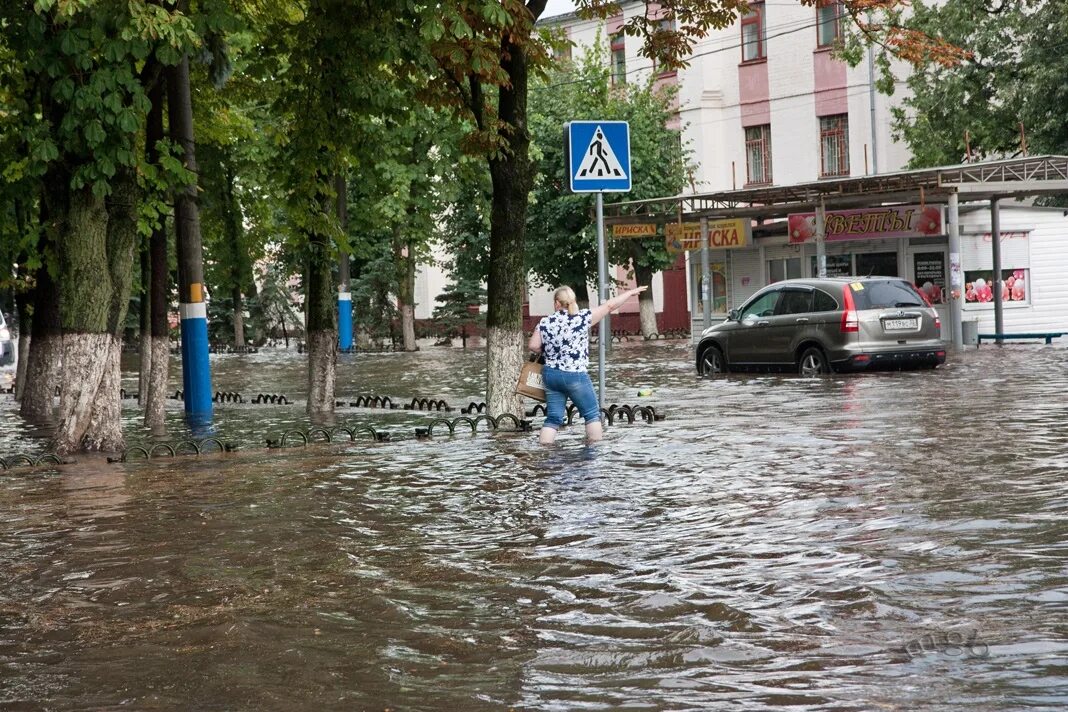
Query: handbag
point(530, 382)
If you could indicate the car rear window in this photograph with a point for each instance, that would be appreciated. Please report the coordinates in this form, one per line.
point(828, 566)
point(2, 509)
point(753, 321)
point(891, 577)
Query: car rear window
point(884, 294)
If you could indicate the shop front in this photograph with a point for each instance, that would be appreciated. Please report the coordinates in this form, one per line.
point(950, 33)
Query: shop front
point(725, 239)
point(905, 241)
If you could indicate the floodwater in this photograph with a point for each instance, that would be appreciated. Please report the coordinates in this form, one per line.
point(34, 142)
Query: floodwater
point(883, 542)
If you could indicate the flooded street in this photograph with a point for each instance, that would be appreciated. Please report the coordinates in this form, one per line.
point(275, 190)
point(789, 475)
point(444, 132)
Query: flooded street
point(890, 541)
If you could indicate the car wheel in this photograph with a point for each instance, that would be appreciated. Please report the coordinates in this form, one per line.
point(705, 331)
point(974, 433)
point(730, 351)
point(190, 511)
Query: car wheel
point(712, 362)
point(813, 362)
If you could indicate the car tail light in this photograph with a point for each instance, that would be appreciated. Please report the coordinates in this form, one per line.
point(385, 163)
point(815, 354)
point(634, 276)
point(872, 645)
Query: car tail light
point(850, 322)
point(938, 322)
point(861, 358)
point(940, 354)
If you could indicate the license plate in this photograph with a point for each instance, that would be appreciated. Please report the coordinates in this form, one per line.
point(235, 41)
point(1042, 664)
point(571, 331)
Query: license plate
point(900, 324)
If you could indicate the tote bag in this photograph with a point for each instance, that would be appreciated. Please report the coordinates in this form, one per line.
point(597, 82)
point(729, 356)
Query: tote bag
point(530, 383)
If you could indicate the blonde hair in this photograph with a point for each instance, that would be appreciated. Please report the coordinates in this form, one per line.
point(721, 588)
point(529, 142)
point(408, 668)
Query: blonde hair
point(565, 296)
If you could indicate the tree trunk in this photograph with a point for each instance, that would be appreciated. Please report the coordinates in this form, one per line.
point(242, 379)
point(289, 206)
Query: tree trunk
point(160, 292)
point(45, 357)
point(44, 364)
point(512, 174)
point(321, 331)
point(235, 231)
point(145, 351)
point(22, 306)
point(404, 258)
point(646, 309)
point(96, 261)
point(239, 318)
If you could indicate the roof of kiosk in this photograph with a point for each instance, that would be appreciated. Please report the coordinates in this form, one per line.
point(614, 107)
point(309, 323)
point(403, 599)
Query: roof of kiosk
point(1015, 177)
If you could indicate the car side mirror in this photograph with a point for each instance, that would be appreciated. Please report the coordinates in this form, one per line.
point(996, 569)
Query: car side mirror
point(732, 315)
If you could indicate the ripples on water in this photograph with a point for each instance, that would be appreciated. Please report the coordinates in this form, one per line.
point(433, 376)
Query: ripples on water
point(776, 542)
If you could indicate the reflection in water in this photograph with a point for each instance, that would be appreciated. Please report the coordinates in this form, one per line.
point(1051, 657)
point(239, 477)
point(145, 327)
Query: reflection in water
point(775, 542)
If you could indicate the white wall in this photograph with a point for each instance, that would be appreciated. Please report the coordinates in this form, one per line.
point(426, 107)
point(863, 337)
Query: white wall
point(1046, 246)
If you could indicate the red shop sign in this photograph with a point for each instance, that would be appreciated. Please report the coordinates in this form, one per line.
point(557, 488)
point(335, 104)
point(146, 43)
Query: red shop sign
point(870, 223)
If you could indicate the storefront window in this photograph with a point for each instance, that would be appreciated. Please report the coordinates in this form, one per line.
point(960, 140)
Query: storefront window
point(876, 264)
point(979, 286)
point(788, 268)
point(929, 269)
point(719, 286)
point(837, 266)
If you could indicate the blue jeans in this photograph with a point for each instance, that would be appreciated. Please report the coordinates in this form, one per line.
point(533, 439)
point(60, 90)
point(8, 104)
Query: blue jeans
point(561, 385)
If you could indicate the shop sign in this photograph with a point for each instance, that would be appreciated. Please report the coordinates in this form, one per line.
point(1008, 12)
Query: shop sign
point(634, 230)
point(1011, 235)
point(870, 223)
point(722, 235)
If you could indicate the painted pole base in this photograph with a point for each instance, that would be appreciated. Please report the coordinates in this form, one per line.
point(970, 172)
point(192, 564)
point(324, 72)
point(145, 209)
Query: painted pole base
point(344, 321)
point(196, 368)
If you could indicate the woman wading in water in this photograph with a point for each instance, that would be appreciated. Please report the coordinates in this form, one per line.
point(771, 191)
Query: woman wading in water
point(564, 338)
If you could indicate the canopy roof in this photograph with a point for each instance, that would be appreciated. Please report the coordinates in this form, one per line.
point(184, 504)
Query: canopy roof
point(1011, 178)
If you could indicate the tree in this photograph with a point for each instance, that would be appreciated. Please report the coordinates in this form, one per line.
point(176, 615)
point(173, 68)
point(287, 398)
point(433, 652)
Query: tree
point(1012, 79)
point(562, 232)
point(458, 313)
point(90, 65)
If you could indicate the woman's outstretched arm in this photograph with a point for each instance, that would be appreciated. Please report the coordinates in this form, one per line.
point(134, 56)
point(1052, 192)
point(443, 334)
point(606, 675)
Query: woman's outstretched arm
point(599, 312)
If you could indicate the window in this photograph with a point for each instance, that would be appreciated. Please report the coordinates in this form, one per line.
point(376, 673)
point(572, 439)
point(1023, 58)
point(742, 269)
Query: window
point(619, 59)
point(828, 22)
point(979, 286)
point(837, 266)
point(666, 29)
point(789, 268)
point(824, 302)
point(758, 155)
point(885, 294)
point(794, 301)
point(834, 145)
point(762, 306)
point(753, 33)
point(877, 264)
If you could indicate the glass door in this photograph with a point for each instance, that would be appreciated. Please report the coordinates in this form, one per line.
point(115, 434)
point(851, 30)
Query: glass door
point(928, 271)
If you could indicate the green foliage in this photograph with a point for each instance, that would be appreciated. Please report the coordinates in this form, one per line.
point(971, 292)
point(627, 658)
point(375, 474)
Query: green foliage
point(561, 229)
point(458, 314)
point(465, 226)
point(1015, 75)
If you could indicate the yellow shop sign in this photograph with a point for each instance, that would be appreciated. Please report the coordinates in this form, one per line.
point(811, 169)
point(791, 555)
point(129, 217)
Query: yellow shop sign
point(722, 235)
point(634, 230)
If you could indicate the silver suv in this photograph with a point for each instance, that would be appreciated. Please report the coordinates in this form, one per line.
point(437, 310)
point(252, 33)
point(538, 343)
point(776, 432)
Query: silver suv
point(814, 326)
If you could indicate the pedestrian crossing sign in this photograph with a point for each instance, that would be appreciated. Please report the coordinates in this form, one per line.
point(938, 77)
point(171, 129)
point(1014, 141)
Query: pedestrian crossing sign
point(598, 155)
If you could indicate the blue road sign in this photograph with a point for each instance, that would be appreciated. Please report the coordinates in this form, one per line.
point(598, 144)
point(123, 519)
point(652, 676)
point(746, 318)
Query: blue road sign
point(598, 155)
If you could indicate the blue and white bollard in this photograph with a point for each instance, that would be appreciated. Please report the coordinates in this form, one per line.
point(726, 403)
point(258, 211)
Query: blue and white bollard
point(344, 320)
point(196, 368)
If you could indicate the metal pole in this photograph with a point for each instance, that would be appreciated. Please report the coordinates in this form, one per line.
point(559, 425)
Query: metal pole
point(604, 332)
point(995, 246)
point(344, 294)
point(706, 276)
point(821, 235)
point(956, 277)
point(192, 309)
point(871, 109)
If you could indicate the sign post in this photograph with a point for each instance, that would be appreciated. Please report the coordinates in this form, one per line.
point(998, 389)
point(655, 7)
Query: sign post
point(598, 161)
